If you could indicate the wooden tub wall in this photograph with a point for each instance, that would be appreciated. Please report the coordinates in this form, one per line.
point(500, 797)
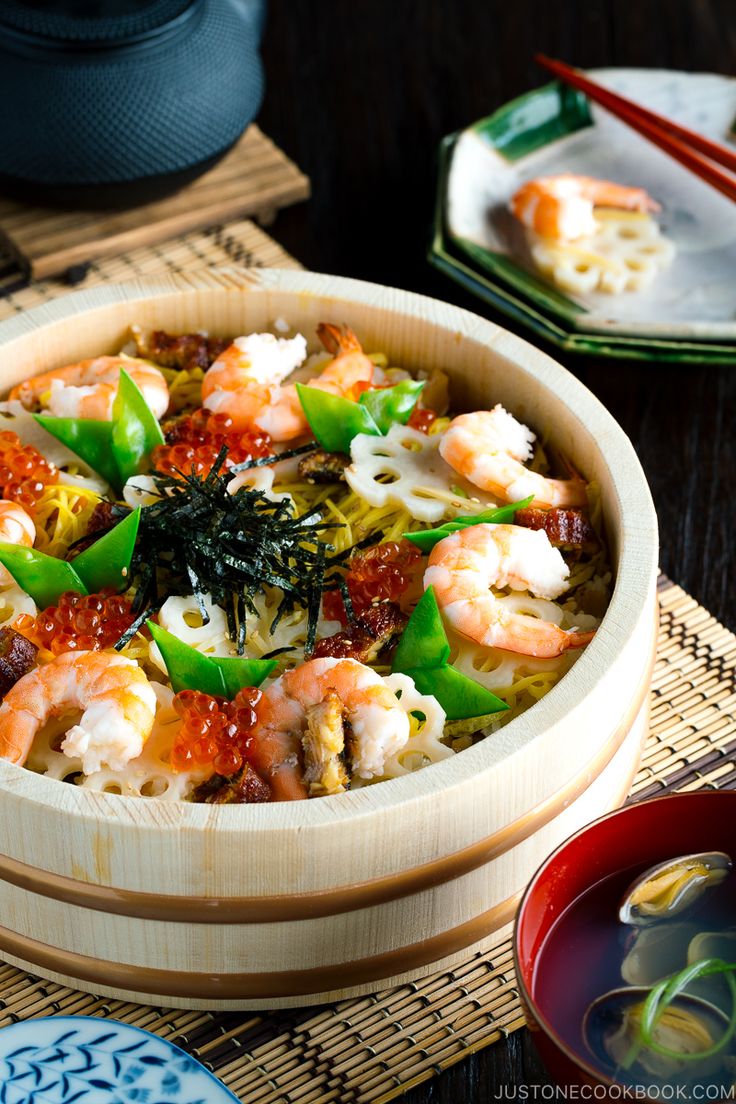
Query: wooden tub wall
point(364, 876)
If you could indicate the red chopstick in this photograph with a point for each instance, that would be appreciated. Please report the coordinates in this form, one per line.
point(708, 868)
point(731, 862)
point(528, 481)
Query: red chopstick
point(676, 140)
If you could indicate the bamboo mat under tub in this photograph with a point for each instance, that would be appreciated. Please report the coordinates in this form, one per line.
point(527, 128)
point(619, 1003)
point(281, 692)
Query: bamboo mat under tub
point(372, 1049)
point(375, 1048)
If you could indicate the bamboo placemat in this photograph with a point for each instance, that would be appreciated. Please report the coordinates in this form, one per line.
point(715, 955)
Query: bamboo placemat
point(373, 1049)
point(254, 178)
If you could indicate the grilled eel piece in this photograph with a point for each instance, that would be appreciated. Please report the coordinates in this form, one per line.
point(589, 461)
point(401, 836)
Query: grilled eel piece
point(17, 657)
point(326, 743)
point(566, 527)
point(322, 466)
point(244, 788)
point(375, 629)
point(182, 351)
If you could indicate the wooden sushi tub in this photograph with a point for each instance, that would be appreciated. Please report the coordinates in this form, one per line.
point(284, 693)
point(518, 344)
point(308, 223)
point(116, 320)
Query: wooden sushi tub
point(291, 903)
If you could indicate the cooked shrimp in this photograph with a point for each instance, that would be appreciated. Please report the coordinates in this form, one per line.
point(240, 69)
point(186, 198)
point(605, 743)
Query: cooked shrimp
point(488, 447)
point(246, 381)
point(379, 726)
point(88, 389)
point(350, 364)
point(462, 569)
point(16, 527)
point(117, 702)
point(562, 206)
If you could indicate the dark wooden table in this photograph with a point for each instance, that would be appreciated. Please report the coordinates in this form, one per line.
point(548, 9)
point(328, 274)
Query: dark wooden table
point(360, 92)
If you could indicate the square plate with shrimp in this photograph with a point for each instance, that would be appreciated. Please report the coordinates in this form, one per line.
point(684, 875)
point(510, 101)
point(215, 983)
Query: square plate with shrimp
point(511, 302)
point(600, 232)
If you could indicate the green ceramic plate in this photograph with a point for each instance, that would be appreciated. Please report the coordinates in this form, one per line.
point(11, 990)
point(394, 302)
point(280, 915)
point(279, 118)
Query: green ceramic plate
point(690, 310)
point(502, 300)
point(456, 265)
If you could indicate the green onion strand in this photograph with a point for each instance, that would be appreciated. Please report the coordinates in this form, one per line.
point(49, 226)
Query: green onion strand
point(664, 993)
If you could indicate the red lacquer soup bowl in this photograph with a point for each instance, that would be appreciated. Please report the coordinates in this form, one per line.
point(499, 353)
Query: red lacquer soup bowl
point(557, 953)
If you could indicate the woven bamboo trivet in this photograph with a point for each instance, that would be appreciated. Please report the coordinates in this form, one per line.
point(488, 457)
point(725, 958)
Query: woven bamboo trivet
point(376, 1048)
point(254, 178)
point(239, 243)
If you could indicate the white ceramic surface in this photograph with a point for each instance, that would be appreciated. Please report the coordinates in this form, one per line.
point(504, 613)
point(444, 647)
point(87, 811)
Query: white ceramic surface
point(696, 297)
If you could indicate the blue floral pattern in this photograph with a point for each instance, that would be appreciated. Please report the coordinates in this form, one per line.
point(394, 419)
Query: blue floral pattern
point(70, 1059)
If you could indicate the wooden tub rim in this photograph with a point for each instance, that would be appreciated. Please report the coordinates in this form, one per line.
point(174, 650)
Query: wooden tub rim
point(309, 905)
point(629, 602)
point(210, 985)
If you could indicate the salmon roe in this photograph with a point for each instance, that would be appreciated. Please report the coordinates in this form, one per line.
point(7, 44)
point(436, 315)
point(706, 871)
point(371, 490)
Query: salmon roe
point(194, 441)
point(78, 622)
point(214, 731)
point(422, 419)
point(361, 386)
point(380, 574)
point(24, 472)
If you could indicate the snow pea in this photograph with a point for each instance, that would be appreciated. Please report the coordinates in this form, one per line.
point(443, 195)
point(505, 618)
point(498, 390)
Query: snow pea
point(116, 448)
point(88, 438)
point(135, 428)
point(106, 563)
point(334, 421)
point(220, 676)
point(391, 405)
point(422, 654)
point(428, 538)
point(459, 696)
point(238, 672)
point(423, 642)
point(44, 577)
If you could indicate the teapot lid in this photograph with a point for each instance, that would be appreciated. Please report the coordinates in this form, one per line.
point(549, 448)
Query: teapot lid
point(107, 22)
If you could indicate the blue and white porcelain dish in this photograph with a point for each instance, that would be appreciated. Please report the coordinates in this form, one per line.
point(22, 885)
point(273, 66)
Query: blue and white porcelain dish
point(86, 1059)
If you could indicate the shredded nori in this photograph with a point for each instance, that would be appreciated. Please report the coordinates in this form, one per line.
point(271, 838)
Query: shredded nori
point(276, 652)
point(198, 538)
point(135, 626)
point(264, 461)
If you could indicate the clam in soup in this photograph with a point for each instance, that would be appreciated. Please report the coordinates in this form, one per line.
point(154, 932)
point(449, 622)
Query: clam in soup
point(651, 1000)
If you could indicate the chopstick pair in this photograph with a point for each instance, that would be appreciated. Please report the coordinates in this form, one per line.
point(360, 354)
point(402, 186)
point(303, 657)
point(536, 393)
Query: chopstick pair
point(686, 146)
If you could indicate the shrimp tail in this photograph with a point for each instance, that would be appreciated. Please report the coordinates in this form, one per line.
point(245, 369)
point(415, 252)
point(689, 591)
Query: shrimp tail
point(544, 643)
point(568, 638)
point(338, 340)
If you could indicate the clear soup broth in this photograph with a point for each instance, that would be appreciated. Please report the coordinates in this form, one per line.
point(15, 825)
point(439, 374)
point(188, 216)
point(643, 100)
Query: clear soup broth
point(594, 974)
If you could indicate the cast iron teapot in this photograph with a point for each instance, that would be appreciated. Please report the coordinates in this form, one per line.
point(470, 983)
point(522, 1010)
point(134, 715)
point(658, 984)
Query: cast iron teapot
point(112, 103)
